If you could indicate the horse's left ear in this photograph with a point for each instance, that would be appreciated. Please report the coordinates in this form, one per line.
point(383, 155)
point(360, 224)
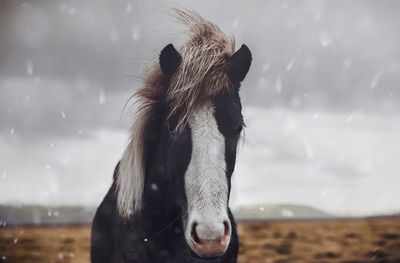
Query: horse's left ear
point(239, 64)
point(170, 60)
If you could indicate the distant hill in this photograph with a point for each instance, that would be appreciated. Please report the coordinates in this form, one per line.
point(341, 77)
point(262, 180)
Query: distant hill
point(50, 215)
point(279, 212)
point(45, 215)
point(395, 215)
point(11, 215)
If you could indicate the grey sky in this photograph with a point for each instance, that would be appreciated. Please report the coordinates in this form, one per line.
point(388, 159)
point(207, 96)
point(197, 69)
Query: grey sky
point(68, 67)
point(327, 55)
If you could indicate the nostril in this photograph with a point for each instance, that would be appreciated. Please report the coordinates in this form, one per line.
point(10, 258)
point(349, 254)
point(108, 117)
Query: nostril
point(226, 230)
point(195, 237)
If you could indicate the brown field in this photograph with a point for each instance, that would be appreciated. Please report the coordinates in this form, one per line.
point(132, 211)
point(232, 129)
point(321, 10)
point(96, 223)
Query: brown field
point(344, 241)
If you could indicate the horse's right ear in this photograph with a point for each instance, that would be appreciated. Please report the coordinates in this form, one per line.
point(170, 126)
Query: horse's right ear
point(240, 64)
point(170, 60)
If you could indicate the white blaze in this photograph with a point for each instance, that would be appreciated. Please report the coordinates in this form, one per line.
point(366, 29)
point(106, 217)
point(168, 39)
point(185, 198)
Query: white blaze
point(205, 179)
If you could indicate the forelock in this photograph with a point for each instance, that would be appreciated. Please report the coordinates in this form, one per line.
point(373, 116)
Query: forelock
point(203, 70)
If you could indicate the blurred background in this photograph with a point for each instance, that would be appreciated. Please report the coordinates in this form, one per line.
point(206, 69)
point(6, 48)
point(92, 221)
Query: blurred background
point(321, 100)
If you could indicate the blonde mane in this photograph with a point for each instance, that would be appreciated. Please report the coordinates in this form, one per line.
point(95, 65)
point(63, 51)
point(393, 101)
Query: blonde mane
point(201, 75)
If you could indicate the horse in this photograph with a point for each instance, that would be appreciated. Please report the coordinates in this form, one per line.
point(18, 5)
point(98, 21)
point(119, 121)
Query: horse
point(169, 200)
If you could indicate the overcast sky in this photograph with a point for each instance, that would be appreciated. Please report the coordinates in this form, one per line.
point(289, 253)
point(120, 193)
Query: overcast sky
point(68, 67)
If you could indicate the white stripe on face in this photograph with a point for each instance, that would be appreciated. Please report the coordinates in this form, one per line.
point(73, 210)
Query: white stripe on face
point(205, 179)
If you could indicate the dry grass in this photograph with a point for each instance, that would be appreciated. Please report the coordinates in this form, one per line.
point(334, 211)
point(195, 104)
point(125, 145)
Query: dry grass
point(45, 244)
point(344, 241)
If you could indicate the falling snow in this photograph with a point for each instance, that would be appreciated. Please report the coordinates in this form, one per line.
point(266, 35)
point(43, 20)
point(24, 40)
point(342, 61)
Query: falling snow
point(347, 63)
point(286, 212)
point(278, 84)
point(29, 68)
point(325, 38)
point(154, 187)
point(261, 83)
point(128, 8)
point(102, 96)
point(315, 115)
point(266, 66)
point(113, 36)
point(290, 64)
point(349, 118)
point(236, 22)
point(55, 213)
point(135, 33)
point(308, 149)
point(71, 11)
point(375, 81)
point(289, 127)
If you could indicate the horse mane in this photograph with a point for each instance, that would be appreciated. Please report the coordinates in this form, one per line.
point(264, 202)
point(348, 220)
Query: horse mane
point(201, 75)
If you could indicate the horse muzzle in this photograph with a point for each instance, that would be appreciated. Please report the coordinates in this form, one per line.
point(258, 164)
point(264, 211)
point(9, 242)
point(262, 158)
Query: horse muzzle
point(209, 238)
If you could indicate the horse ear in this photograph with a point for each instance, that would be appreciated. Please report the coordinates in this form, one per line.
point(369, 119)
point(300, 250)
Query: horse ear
point(239, 64)
point(170, 60)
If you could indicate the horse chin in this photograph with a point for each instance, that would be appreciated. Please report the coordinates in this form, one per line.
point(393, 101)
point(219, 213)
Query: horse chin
point(199, 255)
point(195, 255)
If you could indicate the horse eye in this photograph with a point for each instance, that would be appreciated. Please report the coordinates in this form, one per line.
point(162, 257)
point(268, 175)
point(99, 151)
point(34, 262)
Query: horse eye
point(171, 128)
point(173, 131)
point(179, 134)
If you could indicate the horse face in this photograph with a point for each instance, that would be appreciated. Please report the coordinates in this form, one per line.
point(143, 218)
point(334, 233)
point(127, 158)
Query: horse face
point(204, 152)
point(215, 131)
